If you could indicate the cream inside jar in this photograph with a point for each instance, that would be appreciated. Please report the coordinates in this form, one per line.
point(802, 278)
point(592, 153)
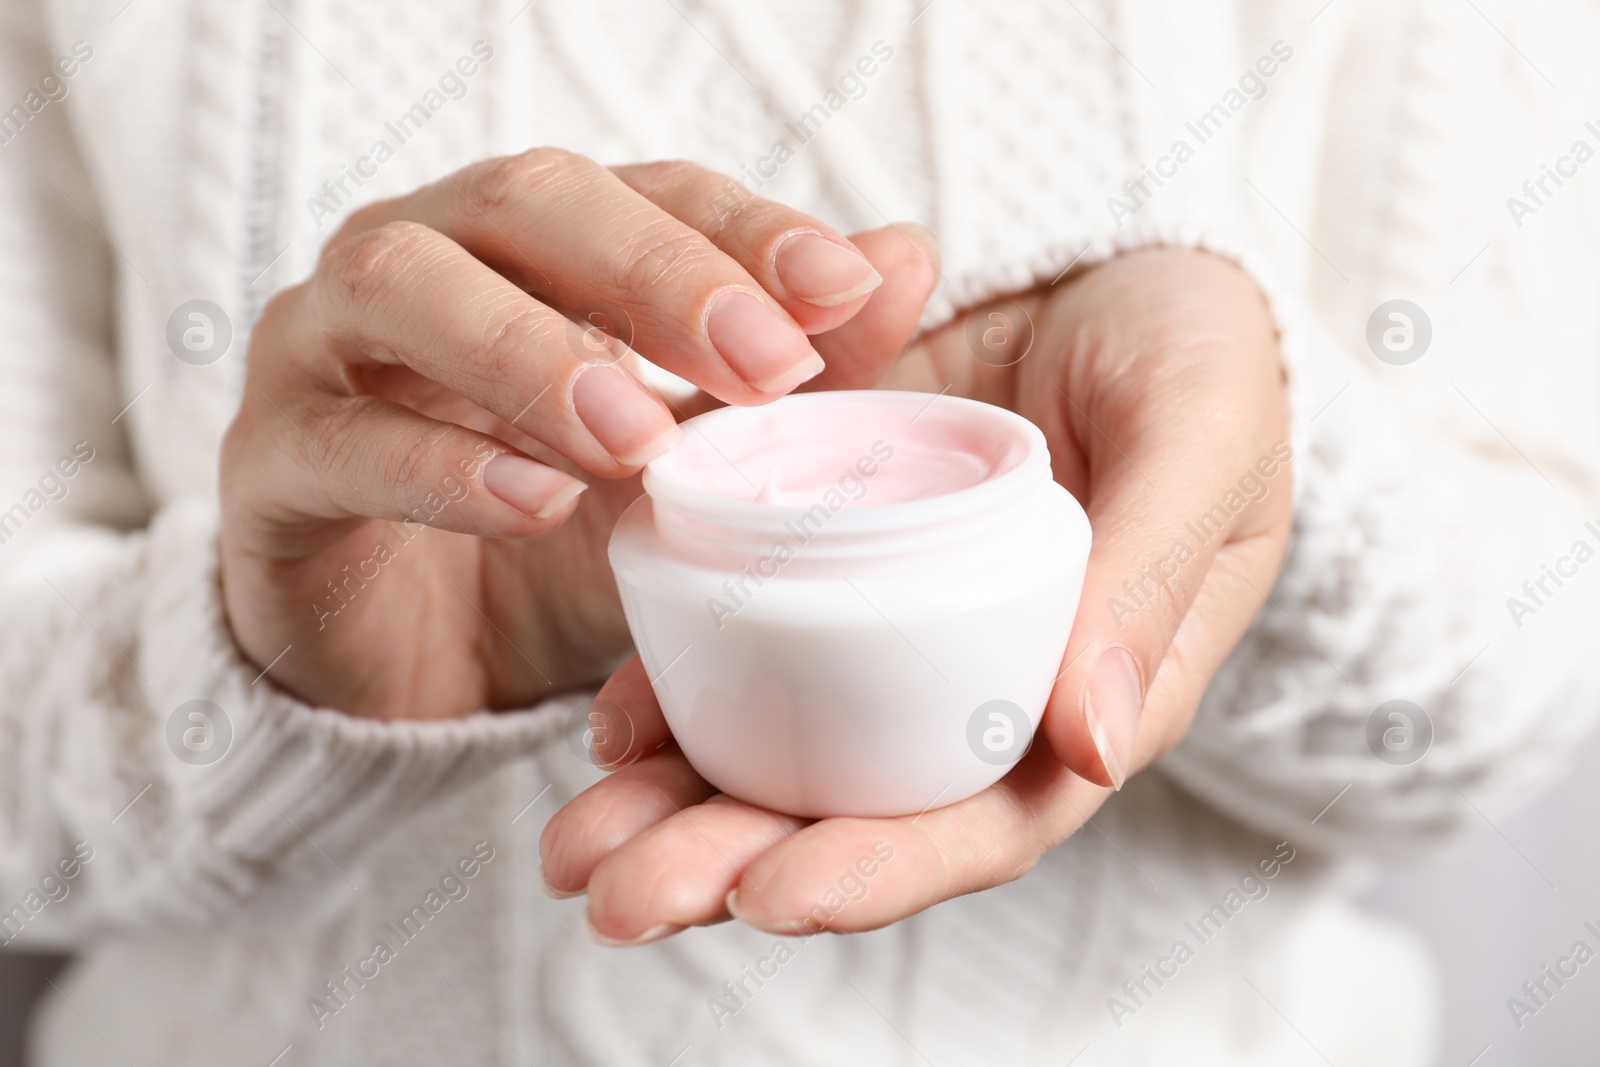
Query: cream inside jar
point(852, 602)
point(796, 454)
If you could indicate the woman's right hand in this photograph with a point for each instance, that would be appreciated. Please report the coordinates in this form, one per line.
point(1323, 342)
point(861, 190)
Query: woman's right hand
point(450, 369)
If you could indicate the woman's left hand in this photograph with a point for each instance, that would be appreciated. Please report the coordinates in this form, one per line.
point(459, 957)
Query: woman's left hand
point(1157, 381)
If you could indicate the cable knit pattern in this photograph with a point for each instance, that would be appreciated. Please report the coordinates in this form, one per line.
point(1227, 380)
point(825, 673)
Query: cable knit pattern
point(189, 161)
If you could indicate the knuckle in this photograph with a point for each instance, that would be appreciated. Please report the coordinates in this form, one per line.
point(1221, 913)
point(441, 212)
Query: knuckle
point(356, 268)
point(404, 470)
point(716, 200)
point(674, 171)
point(395, 463)
point(496, 182)
point(737, 210)
point(669, 174)
point(333, 440)
point(510, 348)
point(659, 255)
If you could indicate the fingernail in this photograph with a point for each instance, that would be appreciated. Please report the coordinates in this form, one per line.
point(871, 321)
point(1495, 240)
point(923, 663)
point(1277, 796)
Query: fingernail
point(823, 273)
point(1111, 707)
point(771, 926)
point(655, 933)
point(530, 487)
point(629, 423)
point(766, 350)
point(556, 894)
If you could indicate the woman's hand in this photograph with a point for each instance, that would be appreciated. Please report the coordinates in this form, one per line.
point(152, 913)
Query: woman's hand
point(416, 415)
point(1157, 382)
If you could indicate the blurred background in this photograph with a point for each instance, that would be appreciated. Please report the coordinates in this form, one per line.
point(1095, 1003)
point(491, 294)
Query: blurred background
point(1513, 902)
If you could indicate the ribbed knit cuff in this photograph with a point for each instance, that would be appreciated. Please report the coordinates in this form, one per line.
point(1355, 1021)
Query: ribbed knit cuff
point(300, 792)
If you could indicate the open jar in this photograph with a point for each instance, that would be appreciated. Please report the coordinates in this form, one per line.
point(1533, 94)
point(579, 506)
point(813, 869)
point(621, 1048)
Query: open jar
point(853, 603)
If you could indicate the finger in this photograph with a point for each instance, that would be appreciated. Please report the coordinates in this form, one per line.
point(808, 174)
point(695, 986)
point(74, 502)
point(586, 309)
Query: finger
point(611, 812)
point(405, 294)
point(341, 457)
point(859, 352)
point(852, 874)
point(819, 277)
point(630, 717)
point(678, 872)
point(573, 234)
point(1223, 609)
point(1152, 551)
point(1164, 496)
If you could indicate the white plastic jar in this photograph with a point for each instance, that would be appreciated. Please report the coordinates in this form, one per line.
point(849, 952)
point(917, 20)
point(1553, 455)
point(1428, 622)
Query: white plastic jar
point(853, 603)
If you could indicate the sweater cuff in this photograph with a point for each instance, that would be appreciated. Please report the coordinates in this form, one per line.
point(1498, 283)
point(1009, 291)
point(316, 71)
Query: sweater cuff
point(279, 794)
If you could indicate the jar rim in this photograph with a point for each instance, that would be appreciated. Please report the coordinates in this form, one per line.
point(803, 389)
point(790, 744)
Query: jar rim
point(1024, 463)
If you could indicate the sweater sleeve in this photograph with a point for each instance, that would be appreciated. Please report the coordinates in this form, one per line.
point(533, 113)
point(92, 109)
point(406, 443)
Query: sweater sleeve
point(149, 776)
point(1343, 168)
point(1401, 687)
point(1419, 670)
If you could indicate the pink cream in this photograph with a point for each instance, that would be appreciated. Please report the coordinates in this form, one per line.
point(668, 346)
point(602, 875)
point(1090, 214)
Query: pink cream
point(791, 455)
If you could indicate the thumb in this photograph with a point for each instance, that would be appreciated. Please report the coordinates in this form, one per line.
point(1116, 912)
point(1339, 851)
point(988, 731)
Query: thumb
point(1152, 552)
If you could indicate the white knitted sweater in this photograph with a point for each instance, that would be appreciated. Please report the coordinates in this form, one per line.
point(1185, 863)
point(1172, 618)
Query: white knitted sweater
point(187, 160)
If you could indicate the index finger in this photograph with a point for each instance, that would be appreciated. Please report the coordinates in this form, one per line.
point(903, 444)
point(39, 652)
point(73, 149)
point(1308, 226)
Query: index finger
point(573, 234)
point(819, 277)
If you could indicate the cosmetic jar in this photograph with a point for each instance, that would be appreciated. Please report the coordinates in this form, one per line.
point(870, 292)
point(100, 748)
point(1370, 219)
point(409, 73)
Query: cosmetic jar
point(852, 603)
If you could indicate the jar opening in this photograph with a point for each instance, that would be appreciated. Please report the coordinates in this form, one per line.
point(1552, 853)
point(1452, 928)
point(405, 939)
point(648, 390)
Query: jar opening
point(855, 462)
